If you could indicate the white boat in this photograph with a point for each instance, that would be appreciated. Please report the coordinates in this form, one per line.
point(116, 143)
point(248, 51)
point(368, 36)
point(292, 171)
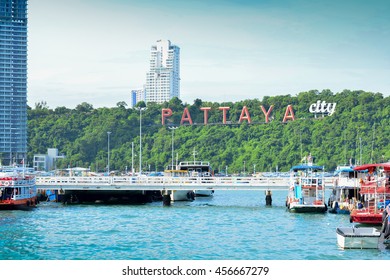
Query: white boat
point(179, 195)
point(306, 189)
point(198, 169)
point(358, 238)
point(345, 191)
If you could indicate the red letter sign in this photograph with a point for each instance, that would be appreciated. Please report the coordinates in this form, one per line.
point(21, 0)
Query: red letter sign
point(267, 113)
point(289, 109)
point(206, 113)
point(186, 117)
point(224, 110)
point(246, 117)
point(165, 114)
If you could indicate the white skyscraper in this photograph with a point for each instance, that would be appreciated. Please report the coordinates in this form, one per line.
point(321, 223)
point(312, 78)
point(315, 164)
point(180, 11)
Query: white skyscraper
point(163, 78)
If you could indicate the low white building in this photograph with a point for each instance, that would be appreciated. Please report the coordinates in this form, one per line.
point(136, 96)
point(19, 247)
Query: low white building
point(46, 162)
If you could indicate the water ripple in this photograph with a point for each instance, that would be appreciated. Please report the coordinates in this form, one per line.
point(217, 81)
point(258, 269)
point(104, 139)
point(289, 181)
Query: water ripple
point(231, 225)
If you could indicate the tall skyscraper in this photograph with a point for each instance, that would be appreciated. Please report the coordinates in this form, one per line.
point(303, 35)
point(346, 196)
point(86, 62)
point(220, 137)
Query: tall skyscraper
point(13, 80)
point(163, 78)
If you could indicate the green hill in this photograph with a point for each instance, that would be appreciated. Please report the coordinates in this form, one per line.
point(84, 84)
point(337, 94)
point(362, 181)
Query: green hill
point(358, 129)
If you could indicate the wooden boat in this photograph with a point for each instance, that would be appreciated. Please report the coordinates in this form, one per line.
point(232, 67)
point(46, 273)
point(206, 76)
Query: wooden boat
point(345, 191)
point(306, 189)
point(374, 192)
point(358, 238)
point(17, 192)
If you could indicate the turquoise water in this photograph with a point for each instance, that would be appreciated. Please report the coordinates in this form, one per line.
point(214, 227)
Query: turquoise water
point(232, 225)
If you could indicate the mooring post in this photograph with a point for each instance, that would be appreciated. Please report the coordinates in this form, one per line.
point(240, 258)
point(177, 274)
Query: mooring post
point(268, 198)
point(166, 198)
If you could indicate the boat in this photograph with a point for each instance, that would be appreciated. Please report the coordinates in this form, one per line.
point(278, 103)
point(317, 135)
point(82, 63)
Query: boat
point(306, 188)
point(17, 192)
point(198, 169)
point(358, 237)
point(179, 195)
point(385, 230)
point(374, 192)
point(345, 191)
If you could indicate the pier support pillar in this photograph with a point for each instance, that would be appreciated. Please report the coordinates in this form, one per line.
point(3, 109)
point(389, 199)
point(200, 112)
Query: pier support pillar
point(166, 198)
point(268, 198)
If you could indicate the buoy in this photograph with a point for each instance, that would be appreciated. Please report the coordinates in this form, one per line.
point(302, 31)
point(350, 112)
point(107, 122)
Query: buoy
point(268, 198)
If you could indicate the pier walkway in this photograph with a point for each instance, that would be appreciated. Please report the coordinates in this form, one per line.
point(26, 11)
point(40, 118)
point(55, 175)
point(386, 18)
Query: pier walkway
point(121, 183)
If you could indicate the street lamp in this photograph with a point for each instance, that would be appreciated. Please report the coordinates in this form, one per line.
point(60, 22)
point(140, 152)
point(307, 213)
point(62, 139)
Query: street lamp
point(254, 169)
point(244, 168)
point(173, 131)
point(140, 109)
point(108, 152)
point(132, 158)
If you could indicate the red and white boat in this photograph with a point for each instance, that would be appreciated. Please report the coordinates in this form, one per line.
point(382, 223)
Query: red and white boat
point(17, 192)
point(374, 192)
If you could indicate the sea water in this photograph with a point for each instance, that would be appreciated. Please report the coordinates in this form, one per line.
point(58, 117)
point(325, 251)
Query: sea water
point(231, 225)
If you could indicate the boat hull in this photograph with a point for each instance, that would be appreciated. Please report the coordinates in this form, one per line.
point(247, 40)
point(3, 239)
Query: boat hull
point(182, 195)
point(358, 238)
point(20, 204)
point(301, 208)
point(203, 193)
point(339, 211)
point(365, 217)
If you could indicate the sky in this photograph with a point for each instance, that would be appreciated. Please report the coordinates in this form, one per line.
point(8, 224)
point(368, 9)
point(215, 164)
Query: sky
point(97, 51)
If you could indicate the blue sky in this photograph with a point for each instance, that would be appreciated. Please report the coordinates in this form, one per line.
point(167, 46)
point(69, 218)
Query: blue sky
point(96, 51)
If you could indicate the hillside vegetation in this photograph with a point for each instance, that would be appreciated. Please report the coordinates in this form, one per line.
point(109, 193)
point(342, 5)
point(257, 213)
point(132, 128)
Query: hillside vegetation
point(359, 129)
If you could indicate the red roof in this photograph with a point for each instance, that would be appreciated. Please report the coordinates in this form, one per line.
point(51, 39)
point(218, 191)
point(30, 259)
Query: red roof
point(372, 166)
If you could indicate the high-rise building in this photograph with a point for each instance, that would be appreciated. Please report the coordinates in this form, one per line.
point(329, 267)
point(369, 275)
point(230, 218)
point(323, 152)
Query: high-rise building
point(163, 78)
point(13, 80)
point(137, 95)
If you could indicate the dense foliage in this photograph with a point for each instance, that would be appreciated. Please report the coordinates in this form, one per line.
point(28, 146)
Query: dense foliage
point(358, 130)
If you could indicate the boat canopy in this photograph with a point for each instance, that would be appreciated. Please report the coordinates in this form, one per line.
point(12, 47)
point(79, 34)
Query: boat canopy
point(372, 166)
point(306, 167)
point(344, 169)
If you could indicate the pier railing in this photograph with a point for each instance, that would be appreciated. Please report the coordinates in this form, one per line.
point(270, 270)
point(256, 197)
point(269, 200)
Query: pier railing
point(162, 183)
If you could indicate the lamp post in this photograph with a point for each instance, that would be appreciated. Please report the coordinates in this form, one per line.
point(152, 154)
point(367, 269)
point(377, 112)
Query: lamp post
point(254, 169)
point(173, 131)
point(140, 109)
point(108, 152)
point(132, 158)
point(244, 168)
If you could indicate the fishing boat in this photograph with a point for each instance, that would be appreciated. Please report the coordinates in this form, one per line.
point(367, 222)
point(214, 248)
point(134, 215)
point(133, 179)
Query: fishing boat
point(306, 189)
point(374, 192)
point(17, 192)
point(358, 237)
point(345, 191)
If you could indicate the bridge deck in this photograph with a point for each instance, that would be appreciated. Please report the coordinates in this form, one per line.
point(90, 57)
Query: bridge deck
point(163, 183)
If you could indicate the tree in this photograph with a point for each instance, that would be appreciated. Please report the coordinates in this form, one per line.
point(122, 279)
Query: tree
point(121, 104)
point(84, 107)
